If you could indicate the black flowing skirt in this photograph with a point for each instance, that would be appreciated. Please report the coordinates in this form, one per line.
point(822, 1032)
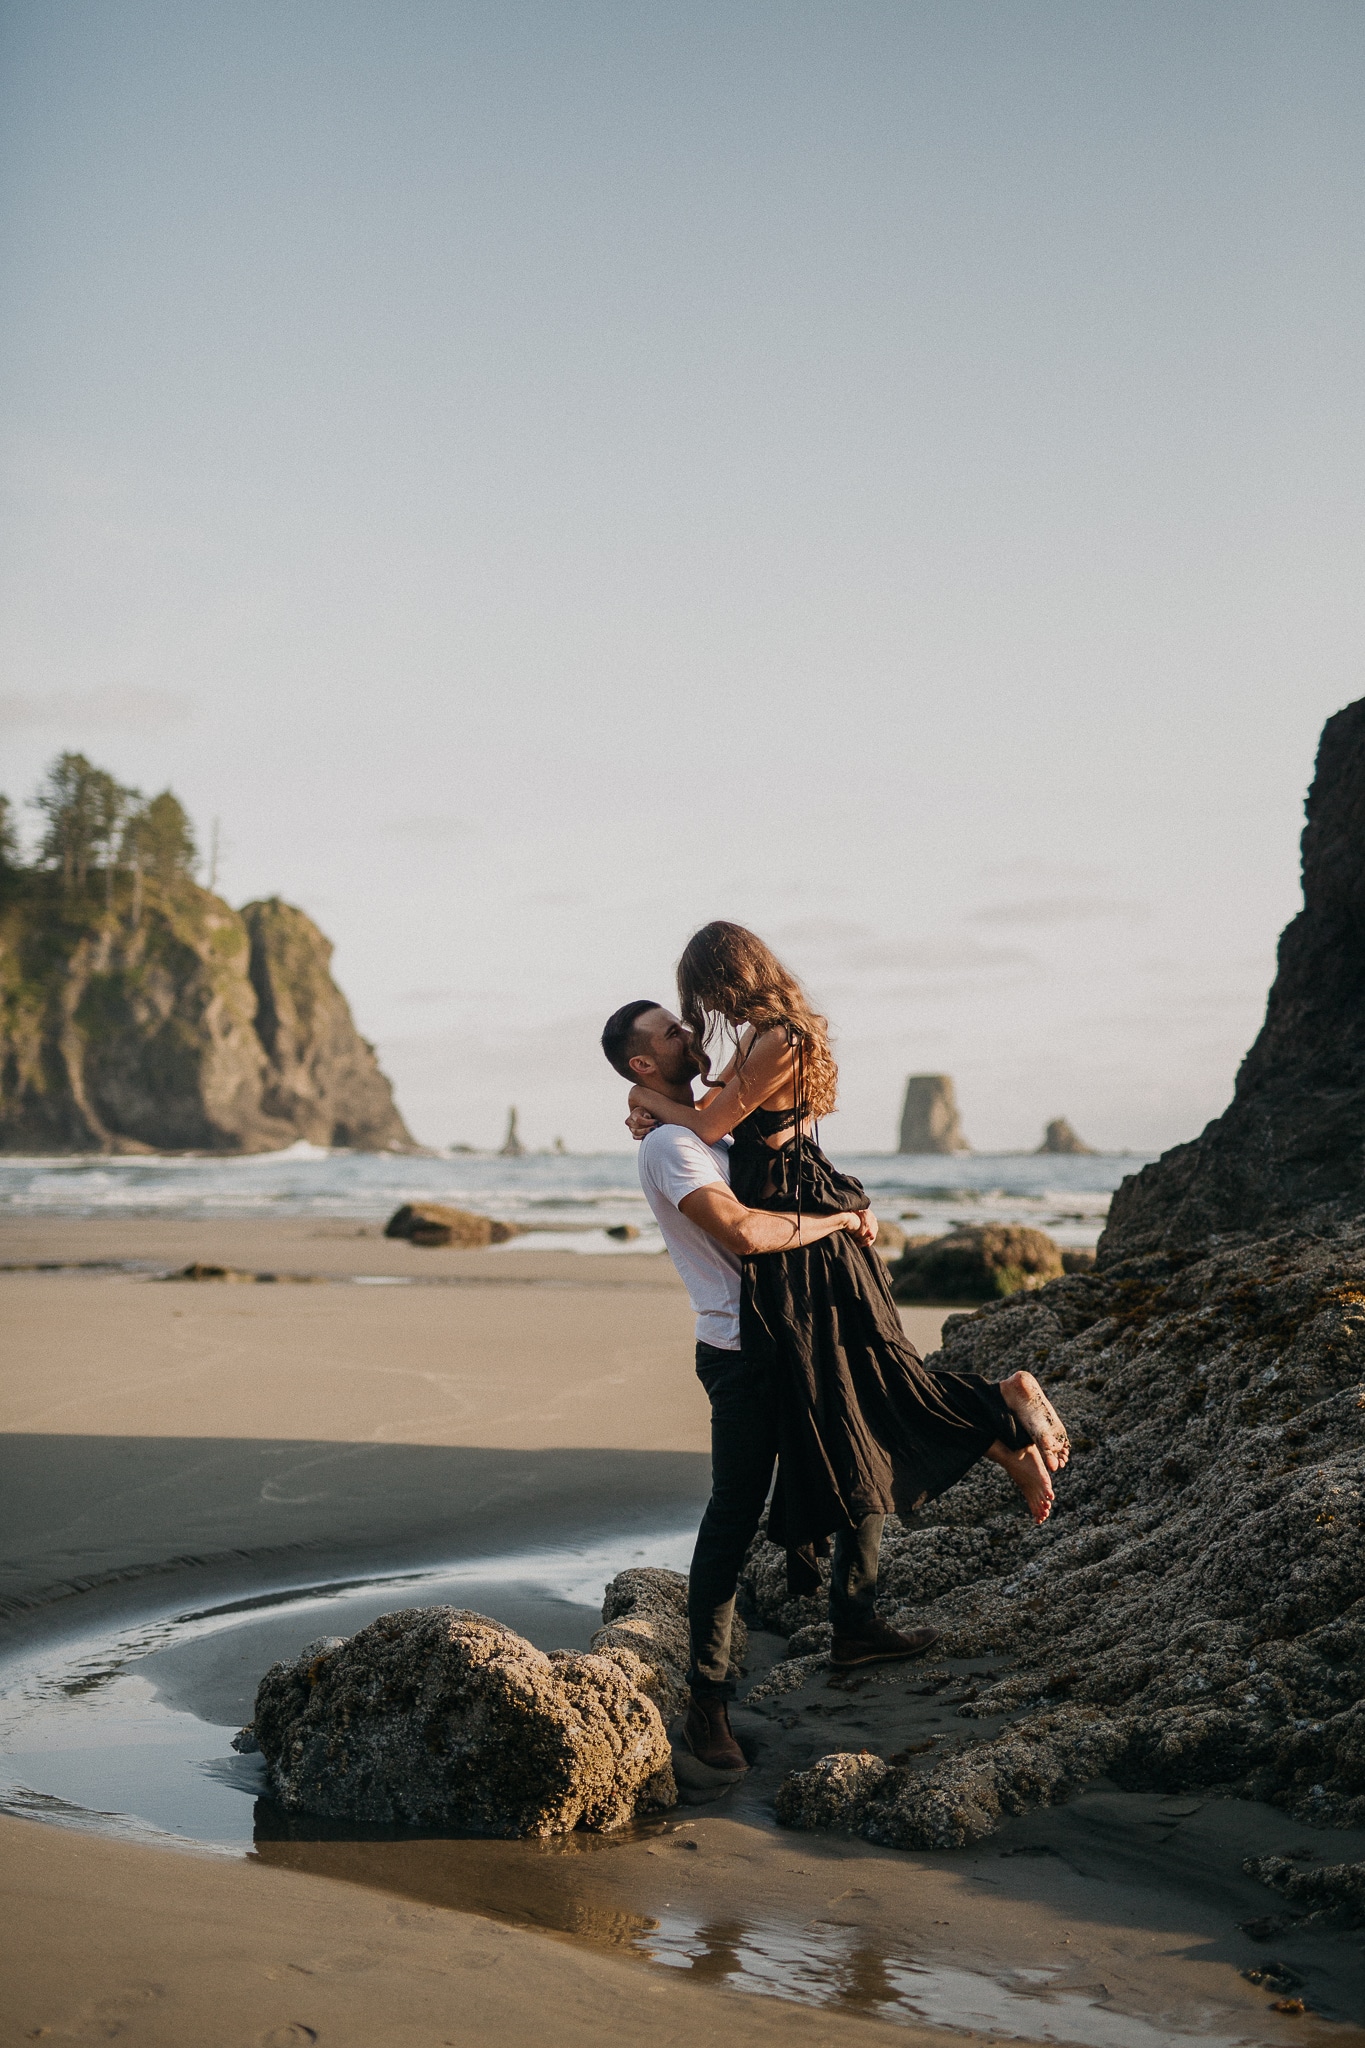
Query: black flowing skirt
point(863, 1426)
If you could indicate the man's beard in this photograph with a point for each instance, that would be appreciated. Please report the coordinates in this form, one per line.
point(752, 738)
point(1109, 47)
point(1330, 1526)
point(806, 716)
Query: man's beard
point(685, 1066)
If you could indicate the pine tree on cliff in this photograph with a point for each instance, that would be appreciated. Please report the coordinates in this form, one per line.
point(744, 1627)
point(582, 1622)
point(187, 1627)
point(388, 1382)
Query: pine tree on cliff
point(158, 841)
point(85, 808)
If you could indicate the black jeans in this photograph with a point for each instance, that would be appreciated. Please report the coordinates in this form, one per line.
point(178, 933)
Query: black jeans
point(743, 1456)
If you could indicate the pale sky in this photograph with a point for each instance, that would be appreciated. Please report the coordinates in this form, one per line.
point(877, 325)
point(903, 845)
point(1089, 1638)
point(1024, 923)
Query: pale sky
point(546, 476)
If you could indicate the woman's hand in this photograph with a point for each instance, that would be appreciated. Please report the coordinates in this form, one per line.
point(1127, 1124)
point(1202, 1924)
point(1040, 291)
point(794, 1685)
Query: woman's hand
point(640, 1123)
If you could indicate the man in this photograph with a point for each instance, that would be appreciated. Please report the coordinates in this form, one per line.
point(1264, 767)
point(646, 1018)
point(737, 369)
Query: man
point(708, 1231)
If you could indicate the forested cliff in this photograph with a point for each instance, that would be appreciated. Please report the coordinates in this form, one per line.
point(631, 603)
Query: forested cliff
point(140, 1012)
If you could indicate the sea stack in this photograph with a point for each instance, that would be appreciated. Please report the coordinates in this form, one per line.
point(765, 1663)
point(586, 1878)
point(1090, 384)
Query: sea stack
point(1059, 1137)
point(1288, 1148)
point(149, 1016)
point(929, 1118)
point(512, 1147)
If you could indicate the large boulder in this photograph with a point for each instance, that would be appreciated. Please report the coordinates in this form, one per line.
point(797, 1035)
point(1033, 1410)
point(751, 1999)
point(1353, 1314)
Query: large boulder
point(929, 1118)
point(1289, 1146)
point(981, 1263)
point(437, 1717)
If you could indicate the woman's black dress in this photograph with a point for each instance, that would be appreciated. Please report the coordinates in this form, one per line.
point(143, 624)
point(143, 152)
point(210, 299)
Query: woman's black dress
point(863, 1426)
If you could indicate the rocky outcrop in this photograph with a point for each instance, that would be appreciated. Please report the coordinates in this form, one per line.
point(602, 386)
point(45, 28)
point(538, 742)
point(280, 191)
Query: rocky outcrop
point(1059, 1137)
point(1289, 1146)
point(172, 1023)
point(929, 1118)
point(980, 1263)
point(435, 1717)
point(433, 1223)
point(1192, 1616)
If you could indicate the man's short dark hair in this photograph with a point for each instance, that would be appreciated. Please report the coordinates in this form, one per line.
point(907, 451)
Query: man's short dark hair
point(620, 1039)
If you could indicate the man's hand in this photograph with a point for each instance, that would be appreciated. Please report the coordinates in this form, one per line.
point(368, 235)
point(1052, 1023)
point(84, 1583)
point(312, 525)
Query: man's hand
point(718, 1211)
point(640, 1123)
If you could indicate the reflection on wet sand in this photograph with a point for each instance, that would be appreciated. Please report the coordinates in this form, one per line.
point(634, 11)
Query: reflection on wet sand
point(572, 1887)
point(562, 1886)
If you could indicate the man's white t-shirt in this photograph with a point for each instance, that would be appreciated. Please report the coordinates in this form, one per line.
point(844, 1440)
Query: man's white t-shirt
point(674, 1163)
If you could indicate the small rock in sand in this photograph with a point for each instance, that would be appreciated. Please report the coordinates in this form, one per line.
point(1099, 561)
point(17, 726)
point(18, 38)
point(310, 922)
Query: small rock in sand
point(433, 1224)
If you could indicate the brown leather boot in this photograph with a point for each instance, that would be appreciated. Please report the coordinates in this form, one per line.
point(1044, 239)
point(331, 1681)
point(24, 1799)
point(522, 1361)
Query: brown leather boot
point(707, 1733)
point(879, 1644)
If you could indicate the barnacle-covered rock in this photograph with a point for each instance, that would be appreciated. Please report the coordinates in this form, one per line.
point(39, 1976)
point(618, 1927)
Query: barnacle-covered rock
point(833, 1793)
point(1332, 1893)
point(438, 1717)
point(645, 1611)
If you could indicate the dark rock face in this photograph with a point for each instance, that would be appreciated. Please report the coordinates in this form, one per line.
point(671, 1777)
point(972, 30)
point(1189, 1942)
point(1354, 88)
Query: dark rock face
point(929, 1118)
point(1291, 1145)
point(1059, 1137)
point(435, 1717)
point(179, 1027)
point(978, 1264)
point(1192, 1616)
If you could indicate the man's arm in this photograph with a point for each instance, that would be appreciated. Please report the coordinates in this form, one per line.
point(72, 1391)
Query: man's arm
point(745, 1232)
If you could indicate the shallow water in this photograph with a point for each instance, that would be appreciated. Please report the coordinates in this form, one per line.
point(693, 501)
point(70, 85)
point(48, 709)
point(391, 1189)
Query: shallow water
point(128, 1731)
point(567, 1201)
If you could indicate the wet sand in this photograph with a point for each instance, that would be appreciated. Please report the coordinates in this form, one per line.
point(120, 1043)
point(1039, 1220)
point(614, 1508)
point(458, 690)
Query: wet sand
point(171, 1444)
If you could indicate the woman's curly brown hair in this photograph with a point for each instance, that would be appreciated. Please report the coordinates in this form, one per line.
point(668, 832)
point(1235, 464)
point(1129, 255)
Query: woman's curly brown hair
point(727, 976)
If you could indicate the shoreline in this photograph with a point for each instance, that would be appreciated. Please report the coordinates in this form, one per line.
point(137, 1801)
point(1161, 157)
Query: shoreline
point(166, 1447)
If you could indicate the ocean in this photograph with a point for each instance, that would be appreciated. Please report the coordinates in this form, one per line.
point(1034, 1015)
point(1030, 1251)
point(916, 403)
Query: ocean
point(568, 1201)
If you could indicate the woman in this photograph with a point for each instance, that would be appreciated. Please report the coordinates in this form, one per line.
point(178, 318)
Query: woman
point(863, 1427)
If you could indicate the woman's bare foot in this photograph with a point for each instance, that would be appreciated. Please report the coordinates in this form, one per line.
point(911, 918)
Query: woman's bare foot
point(1030, 1475)
point(1026, 1399)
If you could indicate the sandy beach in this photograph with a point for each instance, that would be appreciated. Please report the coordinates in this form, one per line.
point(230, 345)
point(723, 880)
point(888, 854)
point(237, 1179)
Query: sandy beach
point(171, 1445)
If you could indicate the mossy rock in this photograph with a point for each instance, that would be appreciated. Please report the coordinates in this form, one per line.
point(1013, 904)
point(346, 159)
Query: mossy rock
point(982, 1263)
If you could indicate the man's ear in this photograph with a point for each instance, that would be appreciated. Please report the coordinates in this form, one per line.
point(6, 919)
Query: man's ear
point(641, 1066)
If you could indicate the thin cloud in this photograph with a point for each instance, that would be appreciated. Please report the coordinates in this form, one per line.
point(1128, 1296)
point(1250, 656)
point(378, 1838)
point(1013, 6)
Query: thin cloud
point(121, 708)
point(1037, 911)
